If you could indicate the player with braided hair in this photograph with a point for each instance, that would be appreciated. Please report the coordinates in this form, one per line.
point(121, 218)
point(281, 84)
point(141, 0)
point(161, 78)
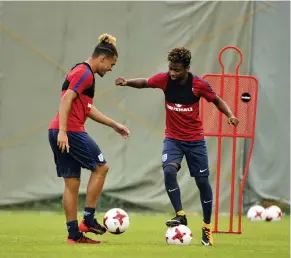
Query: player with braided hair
point(73, 148)
point(184, 132)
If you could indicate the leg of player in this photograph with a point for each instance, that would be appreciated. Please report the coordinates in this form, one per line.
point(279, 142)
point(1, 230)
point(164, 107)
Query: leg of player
point(94, 190)
point(173, 191)
point(171, 158)
point(70, 204)
point(197, 159)
point(206, 202)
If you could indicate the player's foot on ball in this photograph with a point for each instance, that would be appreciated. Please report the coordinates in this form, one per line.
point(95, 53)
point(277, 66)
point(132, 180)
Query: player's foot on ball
point(83, 240)
point(177, 221)
point(96, 228)
point(207, 237)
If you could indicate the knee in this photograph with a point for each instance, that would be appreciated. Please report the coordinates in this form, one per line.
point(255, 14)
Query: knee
point(72, 184)
point(202, 182)
point(170, 172)
point(102, 170)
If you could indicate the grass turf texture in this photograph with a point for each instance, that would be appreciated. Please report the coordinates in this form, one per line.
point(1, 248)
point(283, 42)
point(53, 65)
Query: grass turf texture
point(43, 235)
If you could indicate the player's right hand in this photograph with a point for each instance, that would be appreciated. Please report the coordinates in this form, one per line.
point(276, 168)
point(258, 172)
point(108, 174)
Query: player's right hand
point(63, 141)
point(120, 81)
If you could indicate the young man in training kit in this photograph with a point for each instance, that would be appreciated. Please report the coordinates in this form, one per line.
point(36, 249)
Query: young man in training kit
point(184, 132)
point(73, 148)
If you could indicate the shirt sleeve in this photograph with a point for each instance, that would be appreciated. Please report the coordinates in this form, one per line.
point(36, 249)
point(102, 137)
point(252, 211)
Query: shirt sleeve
point(203, 89)
point(81, 79)
point(158, 81)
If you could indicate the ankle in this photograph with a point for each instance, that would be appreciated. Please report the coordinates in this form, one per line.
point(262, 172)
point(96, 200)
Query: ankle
point(206, 224)
point(75, 236)
point(73, 230)
point(89, 214)
point(181, 213)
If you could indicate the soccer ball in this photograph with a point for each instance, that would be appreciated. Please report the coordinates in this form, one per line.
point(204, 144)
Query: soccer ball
point(273, 213)
point(179, 235)
point(256, 213)
point(116, 221)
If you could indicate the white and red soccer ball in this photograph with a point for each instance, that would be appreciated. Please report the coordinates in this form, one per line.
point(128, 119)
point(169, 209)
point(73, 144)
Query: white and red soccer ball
point(179, 235)
point(116, 221)
point(273, 213)
point(256, 213)
point(259, 213)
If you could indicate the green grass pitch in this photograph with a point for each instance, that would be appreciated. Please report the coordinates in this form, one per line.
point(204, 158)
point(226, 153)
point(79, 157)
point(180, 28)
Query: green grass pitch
point(42, 235)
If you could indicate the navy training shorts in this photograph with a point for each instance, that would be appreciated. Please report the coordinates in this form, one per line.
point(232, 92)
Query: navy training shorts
point(194, 151)
point(84, 153)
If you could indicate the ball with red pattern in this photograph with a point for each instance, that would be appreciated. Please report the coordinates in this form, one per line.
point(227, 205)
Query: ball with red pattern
point(116, 221)
point(273, 213)
point(179, 235)
point(256, 213)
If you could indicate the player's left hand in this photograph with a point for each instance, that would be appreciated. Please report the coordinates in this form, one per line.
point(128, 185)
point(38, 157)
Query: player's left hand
point(122, 130)
point(233, 121)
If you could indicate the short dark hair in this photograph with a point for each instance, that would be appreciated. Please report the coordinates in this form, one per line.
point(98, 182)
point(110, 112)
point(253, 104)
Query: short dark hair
point(180, 55)
point(106, 46)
